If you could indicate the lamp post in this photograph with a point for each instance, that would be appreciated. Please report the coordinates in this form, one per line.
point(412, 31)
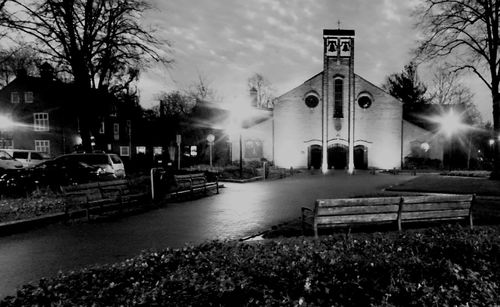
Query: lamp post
point(5, 123)
point(450, 124)
point(210, 140)
point(238, 114)
point(178, 141)
point(241, 157)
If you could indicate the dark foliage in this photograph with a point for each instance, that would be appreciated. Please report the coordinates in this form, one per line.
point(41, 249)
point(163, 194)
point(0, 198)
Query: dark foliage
point(406, 86)
point(446, 266)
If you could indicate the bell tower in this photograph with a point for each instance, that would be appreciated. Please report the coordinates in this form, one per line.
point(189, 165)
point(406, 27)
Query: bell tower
point(338, 92)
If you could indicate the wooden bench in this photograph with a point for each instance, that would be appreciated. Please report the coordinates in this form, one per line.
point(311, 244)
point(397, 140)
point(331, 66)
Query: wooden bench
point(329, 213)
point(194, 183)
point(103, 195)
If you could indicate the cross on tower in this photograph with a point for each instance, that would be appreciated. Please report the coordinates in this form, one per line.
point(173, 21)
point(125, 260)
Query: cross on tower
point(338, 22)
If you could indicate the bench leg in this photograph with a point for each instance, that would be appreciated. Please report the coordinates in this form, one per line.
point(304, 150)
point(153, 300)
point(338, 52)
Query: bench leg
point(348, 233)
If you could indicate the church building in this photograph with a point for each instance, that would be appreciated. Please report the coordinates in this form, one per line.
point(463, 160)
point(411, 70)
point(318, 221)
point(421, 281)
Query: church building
point(338, 120)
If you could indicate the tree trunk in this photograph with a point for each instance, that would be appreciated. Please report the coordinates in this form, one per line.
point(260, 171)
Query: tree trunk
point(495, 174)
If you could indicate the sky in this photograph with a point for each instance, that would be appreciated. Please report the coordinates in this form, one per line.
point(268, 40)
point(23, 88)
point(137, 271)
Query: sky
point(227, 41)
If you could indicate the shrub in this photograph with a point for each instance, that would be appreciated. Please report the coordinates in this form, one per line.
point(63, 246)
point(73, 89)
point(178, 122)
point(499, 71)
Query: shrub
point(440, 267)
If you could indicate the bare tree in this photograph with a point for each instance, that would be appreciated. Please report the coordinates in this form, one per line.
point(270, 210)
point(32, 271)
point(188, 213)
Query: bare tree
point(447, 89)
point(468, 31)
point(16, 58)
point(202, 90)
point(99, 42)
point(261, 89)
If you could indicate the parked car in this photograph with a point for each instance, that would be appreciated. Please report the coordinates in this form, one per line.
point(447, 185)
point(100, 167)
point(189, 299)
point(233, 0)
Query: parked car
point(58, 172)
point(16, 183)
point(8, 163)
point(110, 165)
point(63, 170)
point(28, 158)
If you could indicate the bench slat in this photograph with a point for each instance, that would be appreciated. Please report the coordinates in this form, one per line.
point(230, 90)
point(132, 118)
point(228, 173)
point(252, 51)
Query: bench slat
point(345, 212)
point(113, 183)
point(435, 206)
point(434, 214)
point(437, 198)
point(358, 201)
point(354, 219)
point(322, 211)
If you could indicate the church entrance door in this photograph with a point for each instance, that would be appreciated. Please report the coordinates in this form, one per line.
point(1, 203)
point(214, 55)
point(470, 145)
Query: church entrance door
point(360, 157)
point(315, 157)
point(337, 156)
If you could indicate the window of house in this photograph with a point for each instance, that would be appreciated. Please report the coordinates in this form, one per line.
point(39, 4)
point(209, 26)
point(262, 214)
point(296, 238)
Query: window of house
point(140, 149)
point(6, 143)
point(41, 121)
point(157, 150)
point(28, 97)
point(101, 128)
point(42, 146)
point(338, 98)
point(124, 151)
point(14, 97)
point(116, 131)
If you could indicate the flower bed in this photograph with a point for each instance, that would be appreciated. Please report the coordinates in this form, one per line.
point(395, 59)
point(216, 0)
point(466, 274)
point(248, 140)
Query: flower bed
point(444, 266)
point(12, 209)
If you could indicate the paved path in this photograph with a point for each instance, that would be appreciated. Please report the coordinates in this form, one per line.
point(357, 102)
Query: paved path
point(240, 210)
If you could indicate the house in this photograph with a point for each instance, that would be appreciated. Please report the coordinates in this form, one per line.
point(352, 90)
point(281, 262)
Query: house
point(42, 116)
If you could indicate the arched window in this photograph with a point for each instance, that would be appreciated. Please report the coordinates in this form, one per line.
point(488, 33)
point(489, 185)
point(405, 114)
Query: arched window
point(338, 98)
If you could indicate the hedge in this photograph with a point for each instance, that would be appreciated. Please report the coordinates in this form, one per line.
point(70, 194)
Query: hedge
point(446, 266)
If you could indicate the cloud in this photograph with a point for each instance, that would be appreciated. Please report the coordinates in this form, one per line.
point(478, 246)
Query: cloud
point(281, 39)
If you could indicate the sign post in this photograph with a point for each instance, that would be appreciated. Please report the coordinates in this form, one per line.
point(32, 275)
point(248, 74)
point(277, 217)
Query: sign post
point(178, 141)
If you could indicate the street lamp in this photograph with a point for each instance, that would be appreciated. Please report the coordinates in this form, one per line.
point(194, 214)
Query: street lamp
point(210, 140)
point(238, 113)
point(5, 123)
point(450, 124)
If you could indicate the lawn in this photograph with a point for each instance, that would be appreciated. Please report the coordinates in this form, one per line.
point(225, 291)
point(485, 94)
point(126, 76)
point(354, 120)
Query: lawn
point(450, 184)
point(445, 266)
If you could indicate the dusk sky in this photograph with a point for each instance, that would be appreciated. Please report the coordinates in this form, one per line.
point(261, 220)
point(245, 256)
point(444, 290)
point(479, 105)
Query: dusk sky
point(227, 41)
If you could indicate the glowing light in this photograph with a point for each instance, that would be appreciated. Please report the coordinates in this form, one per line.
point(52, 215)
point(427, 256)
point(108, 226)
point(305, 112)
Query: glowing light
point(210, 138)
point(491, 142)
point(450, 123)
point(6, 122)
point(425, 146)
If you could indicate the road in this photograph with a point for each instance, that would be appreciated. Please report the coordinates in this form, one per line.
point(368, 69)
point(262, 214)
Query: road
point(239, 210)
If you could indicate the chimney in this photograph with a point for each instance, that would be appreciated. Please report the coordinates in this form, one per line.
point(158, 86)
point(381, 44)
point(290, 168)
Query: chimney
point(46, 71)
point(253, 96)
point(21, 73)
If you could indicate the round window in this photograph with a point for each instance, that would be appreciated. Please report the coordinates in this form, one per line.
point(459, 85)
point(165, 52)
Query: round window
point(364, 102)
point(312, 101)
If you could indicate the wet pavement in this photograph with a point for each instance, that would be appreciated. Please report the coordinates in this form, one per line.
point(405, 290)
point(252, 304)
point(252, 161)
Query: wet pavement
point(238, 211)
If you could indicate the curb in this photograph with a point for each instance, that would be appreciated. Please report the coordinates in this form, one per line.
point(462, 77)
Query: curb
point(27, 224)
point(242, 180)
